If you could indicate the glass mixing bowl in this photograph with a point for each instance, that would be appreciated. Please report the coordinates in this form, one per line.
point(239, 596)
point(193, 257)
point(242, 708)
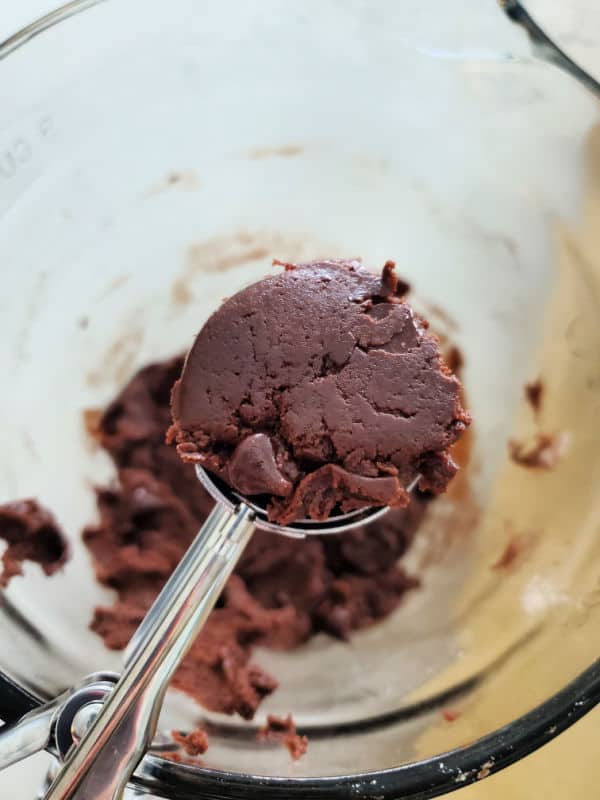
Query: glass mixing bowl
point(154, 157)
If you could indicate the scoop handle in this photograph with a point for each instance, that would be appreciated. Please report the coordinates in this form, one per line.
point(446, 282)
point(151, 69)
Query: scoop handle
point(99, 767)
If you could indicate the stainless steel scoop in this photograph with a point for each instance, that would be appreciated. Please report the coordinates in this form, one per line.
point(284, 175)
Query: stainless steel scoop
point(99, 766)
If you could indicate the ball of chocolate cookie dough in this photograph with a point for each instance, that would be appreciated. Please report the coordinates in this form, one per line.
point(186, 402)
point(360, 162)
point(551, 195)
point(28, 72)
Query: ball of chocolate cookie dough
point(320, 389)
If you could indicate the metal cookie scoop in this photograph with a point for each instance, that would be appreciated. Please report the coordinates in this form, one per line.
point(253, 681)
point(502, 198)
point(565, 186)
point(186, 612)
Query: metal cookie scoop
point(100, 765)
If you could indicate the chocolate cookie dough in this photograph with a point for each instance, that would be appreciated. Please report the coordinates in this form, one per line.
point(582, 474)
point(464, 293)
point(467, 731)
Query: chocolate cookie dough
point(194, 743)
point(283, 730)
point(319, 388)
point(546, 451)
point(534, 394)
point(31, 534)
point(283, 591)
